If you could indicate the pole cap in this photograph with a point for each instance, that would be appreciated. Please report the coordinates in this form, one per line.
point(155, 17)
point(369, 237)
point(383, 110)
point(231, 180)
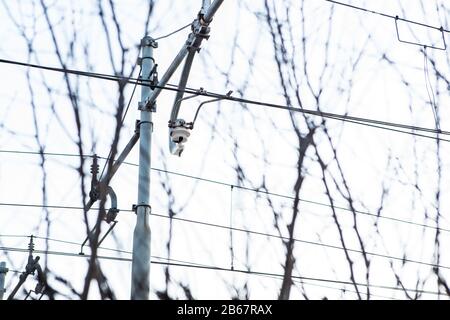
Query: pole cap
point(149, 41)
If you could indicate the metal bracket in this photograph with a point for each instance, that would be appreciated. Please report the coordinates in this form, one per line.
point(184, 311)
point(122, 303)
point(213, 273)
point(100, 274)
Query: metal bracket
point(109, 217)
point(137, 128)
point(142, 106)
point(206, 102)
point(200, 31)
point(134, 207)
point(180, 123)
point(140, 59)
point(152, 82)
point(139, 122)
point(153, 76)
point(39, 290)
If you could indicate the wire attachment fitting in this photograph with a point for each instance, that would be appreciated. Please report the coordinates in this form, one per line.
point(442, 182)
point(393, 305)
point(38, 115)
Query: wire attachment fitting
point(136, 206)
point(229, 93)
point(98, 190)
point(200, 31)
point(441, 30)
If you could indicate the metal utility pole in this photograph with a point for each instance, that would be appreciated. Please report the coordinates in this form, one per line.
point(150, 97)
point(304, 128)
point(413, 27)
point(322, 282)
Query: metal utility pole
point(140, 277)
point(3, 271)
point(140, 273)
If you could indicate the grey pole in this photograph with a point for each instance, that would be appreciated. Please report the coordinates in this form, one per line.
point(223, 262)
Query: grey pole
point(3, 271)
point(140, 273)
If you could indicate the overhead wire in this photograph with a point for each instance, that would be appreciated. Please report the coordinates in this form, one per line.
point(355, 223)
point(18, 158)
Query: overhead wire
point(173, 32)
point(169, 259)
point(249, 231)
point(388, 15)
point(15, 271)
point(215, 268)
point(61, 241)
point(102, 248)
point(256, 190)
point(329, 115)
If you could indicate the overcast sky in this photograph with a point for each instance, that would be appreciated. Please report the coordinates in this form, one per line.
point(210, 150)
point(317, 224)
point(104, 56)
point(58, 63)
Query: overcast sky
point(353, 58)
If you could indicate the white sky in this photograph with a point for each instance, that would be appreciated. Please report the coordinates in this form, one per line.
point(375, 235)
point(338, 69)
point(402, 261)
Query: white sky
point(267, 144)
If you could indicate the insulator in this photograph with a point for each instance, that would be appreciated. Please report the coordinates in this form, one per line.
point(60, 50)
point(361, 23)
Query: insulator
point(94, 166)
point(31, 244)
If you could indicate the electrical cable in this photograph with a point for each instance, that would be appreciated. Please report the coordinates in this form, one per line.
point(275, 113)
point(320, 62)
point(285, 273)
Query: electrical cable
point(320, 244)
point(129, 252)
point(345, 118)
point(215, 268)
point(173, 32)
point(87, 255)
point(256, 190)
point(388, 16)
point(431, 96)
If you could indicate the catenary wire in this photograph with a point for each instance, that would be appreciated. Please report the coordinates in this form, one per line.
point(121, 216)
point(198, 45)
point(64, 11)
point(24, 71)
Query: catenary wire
point(102, 248)
point(399, 131)
point(332, 116)
point(324, 245)
point(171, 259)
point(215, 268)
point(340, 117)
point(173, 32)
point(60, 241)
point(256, 190)
point(303, 282)
point(388, 15)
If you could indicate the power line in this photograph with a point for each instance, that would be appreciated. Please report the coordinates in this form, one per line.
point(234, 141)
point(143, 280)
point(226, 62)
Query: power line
point(15, 271)
point(398, 131)
point(341, 289)
point(60, 241)
point(299, 277)
point(102, 248)
point(173, 32)
point(79, 254)
point(256, 190)
point(162, 258)
point(122, 120)
point(334, 116)
point(214, 268)
point(388, 16)
point(329, 246)
point(156, 257)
